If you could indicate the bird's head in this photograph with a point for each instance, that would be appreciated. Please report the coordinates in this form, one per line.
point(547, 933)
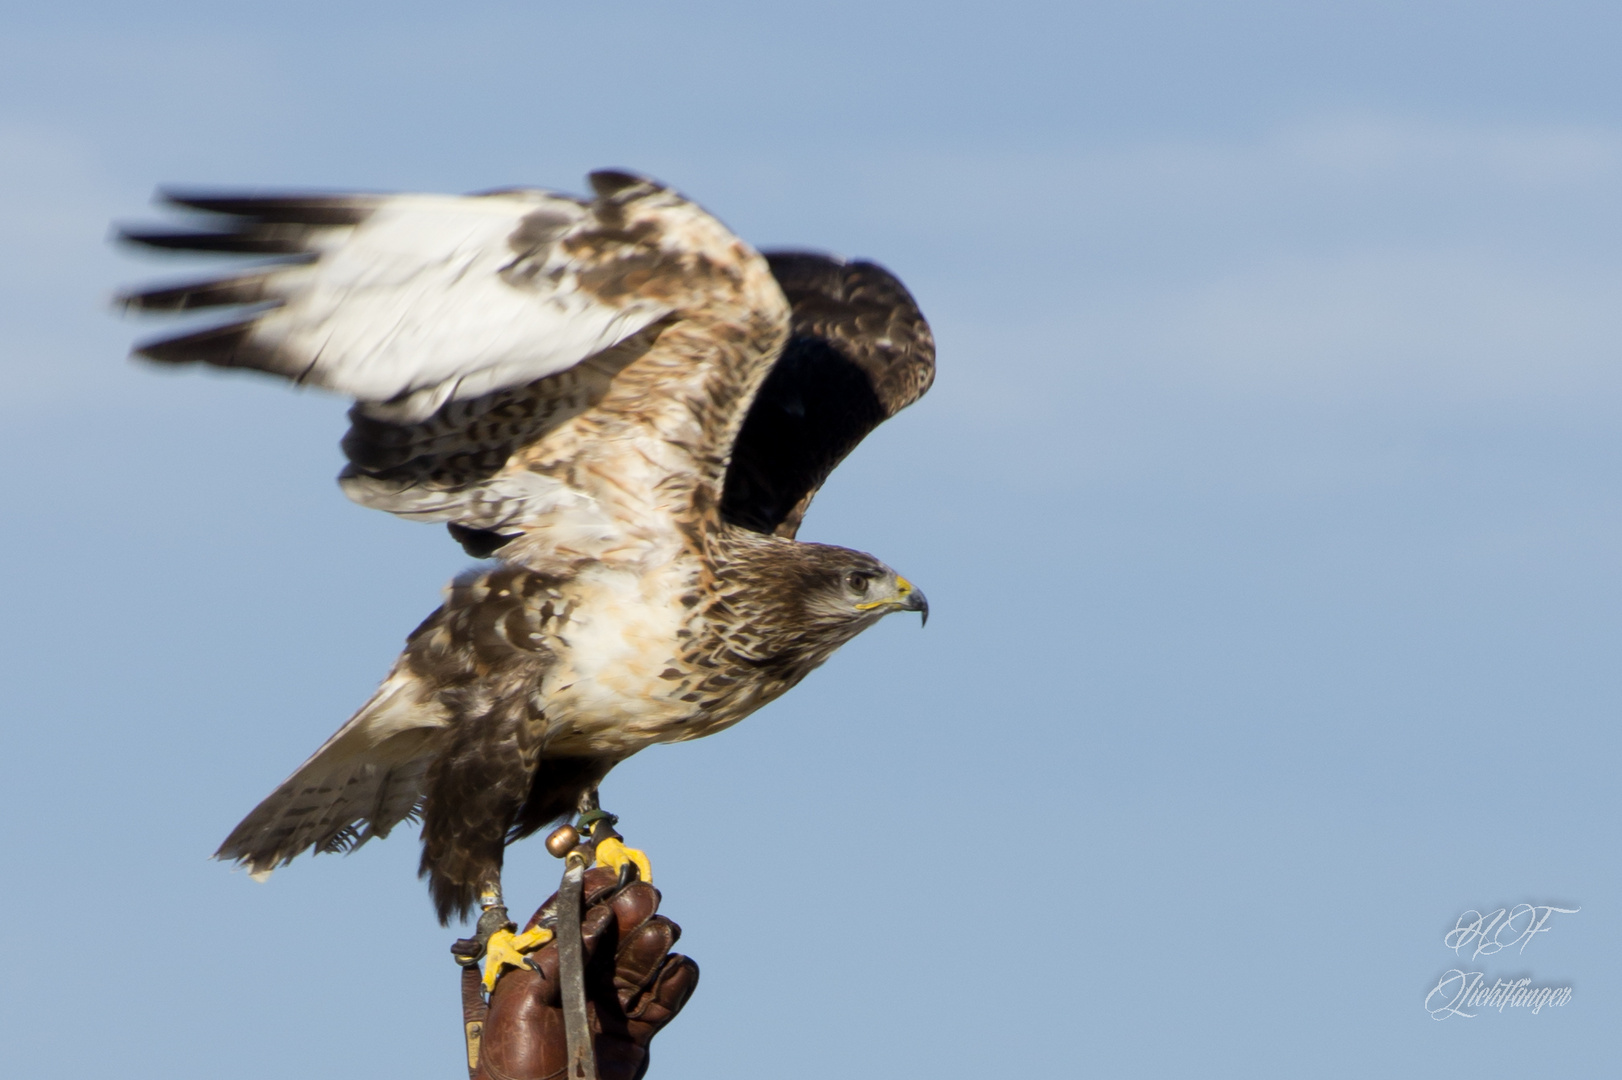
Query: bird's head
point(853, 587)
point(794, 603)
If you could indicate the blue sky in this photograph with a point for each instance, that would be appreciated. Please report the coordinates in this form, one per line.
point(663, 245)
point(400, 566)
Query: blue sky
point(1267, 503)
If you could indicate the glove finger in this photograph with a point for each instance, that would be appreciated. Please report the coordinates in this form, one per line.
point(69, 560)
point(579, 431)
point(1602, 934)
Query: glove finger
point(640, 956)
point(545, 960)
point(597, 922)
point(634, 905)
point(599, 882)
point(676, 981)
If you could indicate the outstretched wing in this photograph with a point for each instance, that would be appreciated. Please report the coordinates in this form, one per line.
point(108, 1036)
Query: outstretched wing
point(859, 352)
point(470, 328)
point(409, 300)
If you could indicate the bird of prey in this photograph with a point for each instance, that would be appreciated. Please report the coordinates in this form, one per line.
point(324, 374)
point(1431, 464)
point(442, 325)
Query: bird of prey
point(624, 404)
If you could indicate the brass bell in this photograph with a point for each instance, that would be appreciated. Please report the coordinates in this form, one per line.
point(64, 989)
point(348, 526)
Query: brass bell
point(564, 839)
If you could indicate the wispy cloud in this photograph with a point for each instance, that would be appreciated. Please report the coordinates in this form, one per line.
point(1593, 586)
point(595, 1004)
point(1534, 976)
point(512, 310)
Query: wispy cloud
point(1357, 261)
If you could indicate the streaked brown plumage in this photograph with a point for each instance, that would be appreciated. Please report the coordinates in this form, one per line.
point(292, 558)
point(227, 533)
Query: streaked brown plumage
point(632, 410)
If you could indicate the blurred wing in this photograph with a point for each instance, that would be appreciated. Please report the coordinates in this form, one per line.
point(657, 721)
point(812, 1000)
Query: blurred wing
point(406, 301)
point(859, 352)
point(472, 330)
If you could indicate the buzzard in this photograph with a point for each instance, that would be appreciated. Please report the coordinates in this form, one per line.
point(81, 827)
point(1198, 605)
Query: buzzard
point(625, 405)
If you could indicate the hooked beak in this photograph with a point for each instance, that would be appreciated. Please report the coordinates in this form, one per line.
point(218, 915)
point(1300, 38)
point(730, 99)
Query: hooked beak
point(907, 597)
point(911, 598)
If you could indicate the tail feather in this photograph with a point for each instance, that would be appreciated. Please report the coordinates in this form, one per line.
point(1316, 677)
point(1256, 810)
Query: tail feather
point(363, 782)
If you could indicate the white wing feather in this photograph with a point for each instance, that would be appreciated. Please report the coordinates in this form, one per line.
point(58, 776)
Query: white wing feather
point(415, 300)
point(426, 299)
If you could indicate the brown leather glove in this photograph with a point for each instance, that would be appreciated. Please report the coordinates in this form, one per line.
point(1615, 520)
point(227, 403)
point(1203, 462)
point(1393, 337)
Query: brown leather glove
point(634, 987)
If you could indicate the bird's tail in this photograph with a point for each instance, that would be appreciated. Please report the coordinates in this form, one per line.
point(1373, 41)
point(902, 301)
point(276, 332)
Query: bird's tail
point(363, 781)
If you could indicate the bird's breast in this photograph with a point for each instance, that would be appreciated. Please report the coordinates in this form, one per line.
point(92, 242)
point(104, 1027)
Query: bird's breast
point(620, 680)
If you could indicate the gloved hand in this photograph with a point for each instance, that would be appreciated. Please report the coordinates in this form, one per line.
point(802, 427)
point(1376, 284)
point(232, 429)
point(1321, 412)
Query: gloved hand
point(634, 987)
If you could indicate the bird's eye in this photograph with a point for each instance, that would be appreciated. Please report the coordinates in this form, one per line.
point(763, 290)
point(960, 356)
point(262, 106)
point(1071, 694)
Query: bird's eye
point(857, 583)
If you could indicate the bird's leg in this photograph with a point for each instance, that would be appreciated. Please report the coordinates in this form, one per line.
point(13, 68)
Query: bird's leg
point(609, 846)
point(495, 940)
point(492, 919)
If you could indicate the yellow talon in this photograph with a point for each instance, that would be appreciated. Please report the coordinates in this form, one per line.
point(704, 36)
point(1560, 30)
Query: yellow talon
point(614, 854)
point(506, 949)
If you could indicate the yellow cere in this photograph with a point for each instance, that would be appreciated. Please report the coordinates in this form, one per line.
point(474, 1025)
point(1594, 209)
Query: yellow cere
point(902, 588)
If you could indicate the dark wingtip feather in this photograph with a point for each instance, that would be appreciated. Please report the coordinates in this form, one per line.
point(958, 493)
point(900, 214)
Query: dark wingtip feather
point(225, 292)
point(310, 210)
point(218, 345)
point(262, 225)
point(265, 240)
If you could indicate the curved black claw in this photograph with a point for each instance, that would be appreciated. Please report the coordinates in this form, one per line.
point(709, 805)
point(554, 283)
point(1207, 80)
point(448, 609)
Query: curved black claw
point(467, 951)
